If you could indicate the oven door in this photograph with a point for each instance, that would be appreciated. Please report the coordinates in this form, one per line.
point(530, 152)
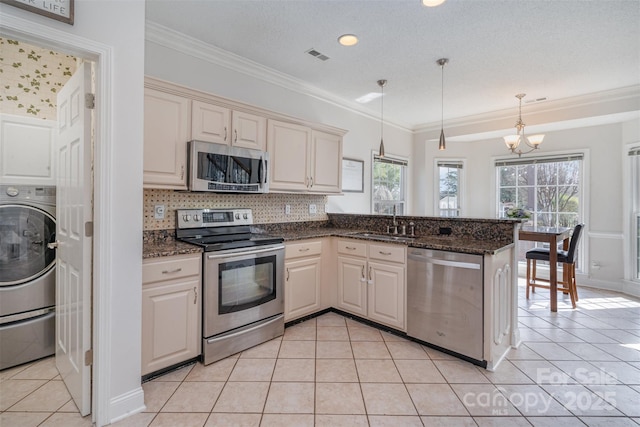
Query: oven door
point(242, 286)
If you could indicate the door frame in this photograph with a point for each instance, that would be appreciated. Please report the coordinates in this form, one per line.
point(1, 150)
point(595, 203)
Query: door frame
point(101, 55)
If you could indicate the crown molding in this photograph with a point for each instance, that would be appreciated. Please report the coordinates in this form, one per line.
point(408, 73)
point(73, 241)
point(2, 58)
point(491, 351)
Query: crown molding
point(175, 40)
point(183, 43)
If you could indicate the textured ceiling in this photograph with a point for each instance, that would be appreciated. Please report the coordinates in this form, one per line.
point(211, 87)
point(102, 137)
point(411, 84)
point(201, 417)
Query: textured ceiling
point(547, 49)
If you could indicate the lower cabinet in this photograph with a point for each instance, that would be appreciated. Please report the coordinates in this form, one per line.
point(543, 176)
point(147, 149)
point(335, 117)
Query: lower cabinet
point(372, 282)
point(171, 296)
point(302, 279)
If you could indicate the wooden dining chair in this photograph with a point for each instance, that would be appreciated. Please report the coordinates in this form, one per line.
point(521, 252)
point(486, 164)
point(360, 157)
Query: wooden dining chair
point(568, 259)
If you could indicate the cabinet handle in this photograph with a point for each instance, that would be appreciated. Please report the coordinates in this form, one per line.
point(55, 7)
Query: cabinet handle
point(287, 275)
point(363, 278)
point(370, 278)
point(236, 135)
point(225, 133)
point(182, 172)
point(351, 248)
point(384, 253)
point(311, 179)
point(177, 270)
point(195, 298)
point(303, 249)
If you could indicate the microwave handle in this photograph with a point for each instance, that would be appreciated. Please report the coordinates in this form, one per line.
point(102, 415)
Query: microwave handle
point(263, 179)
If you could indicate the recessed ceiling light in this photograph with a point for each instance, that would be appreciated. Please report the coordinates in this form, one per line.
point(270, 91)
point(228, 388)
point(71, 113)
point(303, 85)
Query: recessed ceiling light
point(432, 3)
point(348, 39)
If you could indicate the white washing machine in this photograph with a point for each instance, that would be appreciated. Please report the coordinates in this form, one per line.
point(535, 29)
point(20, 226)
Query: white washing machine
point(27, 273)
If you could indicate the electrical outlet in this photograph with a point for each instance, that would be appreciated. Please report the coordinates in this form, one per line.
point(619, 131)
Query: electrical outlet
point(158, 211)
point(287, 209)
point(312, 209)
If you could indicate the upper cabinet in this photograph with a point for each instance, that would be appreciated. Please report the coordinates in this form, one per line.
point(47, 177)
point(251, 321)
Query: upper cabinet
point(166, 132)
point(27, 147)
point(213, 123)
point(303, 159)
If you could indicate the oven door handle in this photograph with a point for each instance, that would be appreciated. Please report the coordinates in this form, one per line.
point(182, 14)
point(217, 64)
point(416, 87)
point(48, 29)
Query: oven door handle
point(252, 252)
point(276, 318)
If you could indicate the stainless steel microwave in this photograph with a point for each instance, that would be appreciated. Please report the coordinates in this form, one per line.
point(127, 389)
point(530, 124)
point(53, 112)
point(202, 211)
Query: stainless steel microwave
point(226, 169)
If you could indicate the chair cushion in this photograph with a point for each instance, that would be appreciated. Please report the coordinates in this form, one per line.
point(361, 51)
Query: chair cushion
point(542, 254)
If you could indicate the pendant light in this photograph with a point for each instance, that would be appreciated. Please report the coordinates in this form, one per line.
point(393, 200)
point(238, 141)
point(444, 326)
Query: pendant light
point(442, 145)
point(381, 83)
point(513, 141)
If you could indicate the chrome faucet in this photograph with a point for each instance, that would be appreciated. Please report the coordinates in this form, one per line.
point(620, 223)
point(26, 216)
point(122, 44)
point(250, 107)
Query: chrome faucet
point(394, 228)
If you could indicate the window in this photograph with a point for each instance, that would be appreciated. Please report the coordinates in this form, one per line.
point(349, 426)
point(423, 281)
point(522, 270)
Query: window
point(389, 177)
point(449, 191)
point(634, 159)
point(550, 188)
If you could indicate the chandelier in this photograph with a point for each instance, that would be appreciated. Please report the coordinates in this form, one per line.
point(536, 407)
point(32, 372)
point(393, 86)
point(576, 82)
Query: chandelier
point(513, 141)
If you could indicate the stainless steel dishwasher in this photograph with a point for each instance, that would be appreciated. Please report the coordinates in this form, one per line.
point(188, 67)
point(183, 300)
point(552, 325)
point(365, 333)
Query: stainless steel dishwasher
point(445, 300)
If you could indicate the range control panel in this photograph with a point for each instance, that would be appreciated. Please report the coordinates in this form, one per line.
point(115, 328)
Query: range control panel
point(199, 218)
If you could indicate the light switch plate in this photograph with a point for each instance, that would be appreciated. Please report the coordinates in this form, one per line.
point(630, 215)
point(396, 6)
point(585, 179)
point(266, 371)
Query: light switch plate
point(158, 211)
point(287, 209)
point(312, 209)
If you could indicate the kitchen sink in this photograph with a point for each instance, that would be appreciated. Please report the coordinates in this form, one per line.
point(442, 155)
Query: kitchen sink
point(385, 237)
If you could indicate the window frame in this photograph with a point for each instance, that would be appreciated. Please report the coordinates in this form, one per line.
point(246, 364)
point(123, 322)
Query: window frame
point(404, 182)
point(461, 185)
point(632, 163)
point(583, 251)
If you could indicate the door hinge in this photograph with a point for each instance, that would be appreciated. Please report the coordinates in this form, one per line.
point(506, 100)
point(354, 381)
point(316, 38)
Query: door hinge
point(88, 229)
point(89, 101)
point(88, 357)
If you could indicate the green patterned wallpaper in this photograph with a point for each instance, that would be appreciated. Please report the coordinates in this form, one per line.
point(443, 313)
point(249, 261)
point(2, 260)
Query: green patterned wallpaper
point(30, 78)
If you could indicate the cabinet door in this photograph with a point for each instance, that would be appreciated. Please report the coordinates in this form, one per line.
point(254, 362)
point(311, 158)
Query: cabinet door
point(302, 287)
point(386, 297)
point(210, 123)
point(326, 163)
point(170, 324)
point(352, 291)
point(249, 131)
point(288, 146)
point(166, 132)
point(27, 150)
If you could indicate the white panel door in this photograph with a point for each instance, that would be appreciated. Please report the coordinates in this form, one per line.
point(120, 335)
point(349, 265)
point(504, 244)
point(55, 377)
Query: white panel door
point(73, 278)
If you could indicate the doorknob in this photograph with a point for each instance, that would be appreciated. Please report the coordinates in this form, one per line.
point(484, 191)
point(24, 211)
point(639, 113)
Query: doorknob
point(53, 245)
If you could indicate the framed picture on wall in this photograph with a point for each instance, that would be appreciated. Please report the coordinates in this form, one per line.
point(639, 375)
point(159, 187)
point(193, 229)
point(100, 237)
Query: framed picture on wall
point(352, 175)
point(60, 10)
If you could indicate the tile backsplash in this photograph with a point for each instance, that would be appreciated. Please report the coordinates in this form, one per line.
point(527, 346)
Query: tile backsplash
point(267, 208)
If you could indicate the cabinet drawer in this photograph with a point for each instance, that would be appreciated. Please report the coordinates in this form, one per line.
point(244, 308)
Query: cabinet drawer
point(390, 253)
point(170, 268)
point(304, 249)
point(352, 247)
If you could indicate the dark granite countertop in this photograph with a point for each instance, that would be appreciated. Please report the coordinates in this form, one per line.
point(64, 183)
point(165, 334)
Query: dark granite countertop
point(169, 246)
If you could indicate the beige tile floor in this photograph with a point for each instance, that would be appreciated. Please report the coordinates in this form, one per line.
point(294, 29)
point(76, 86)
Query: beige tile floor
point(575, 368)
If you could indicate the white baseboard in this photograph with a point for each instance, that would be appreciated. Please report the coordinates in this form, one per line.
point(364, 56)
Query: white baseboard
point(126, 405)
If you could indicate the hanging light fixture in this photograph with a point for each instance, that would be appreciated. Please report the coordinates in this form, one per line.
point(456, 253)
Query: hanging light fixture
point(381, 83)
point(442, 145)
point(513, 141)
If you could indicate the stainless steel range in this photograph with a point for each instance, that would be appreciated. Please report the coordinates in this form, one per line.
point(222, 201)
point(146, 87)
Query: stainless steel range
point(242, 280)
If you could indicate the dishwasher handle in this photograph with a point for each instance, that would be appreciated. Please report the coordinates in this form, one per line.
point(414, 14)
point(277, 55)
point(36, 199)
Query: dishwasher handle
point(446, 263)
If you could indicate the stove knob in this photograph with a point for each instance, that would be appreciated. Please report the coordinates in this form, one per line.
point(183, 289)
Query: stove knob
point(196, 217)
point(237, 216)
point(186, 218)
point(245, 216)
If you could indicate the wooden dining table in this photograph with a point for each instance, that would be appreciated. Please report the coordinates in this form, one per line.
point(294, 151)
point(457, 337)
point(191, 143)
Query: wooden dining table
point(553, 236)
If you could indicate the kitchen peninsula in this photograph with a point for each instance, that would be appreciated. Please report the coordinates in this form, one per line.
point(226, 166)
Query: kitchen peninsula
point(326, 263)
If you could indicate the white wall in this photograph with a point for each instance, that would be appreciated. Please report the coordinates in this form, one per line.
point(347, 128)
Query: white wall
point(118, 175)
point(605, 189)
point(362, 137)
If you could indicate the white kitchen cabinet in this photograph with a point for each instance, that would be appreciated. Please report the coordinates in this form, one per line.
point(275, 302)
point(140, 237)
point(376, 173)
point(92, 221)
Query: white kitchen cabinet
point(214, 123)
point(303, 159)
point(372, 281)
point(171, 301)
point(303, 279)
point(27, 147)
point(166, 133)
